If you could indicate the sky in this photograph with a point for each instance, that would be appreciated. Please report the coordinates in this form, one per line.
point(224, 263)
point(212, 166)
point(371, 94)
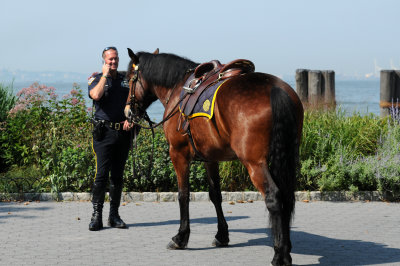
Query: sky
point(352, 37)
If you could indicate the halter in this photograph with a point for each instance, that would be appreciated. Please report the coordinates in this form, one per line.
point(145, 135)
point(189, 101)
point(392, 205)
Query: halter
point(135, 108)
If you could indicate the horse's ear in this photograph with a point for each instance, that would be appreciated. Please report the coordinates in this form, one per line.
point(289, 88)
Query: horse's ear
point(157, 51)
point(133, 56)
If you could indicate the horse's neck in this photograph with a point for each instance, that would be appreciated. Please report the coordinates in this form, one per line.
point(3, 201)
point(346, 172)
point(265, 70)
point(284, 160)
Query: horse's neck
point(168, 96)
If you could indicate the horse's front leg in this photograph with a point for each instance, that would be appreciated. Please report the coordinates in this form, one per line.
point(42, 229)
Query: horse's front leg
point(181, 162)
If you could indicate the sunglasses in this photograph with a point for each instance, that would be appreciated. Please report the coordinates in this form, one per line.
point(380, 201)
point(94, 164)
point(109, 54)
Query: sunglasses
point(109, 48)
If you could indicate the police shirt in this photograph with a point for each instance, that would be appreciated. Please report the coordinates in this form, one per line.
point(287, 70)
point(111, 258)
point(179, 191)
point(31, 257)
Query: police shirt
point(111, 105)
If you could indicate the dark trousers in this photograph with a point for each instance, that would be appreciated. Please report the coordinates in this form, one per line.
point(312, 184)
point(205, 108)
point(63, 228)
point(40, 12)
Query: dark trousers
point(111, 155)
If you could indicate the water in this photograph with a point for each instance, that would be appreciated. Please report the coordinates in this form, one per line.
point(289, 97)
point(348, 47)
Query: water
point(351, 95)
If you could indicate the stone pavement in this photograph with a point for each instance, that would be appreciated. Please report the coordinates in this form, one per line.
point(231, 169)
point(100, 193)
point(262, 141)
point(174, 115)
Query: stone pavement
point(326, 233)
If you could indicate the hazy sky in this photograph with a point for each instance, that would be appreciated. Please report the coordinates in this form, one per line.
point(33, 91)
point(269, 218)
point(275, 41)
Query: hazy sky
point(278, 36)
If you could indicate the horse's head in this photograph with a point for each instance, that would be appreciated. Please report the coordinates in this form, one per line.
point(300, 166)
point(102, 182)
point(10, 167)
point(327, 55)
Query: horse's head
point(140, 95)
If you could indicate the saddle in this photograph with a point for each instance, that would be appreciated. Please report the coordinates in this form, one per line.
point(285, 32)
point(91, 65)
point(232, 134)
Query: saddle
point(209, 75)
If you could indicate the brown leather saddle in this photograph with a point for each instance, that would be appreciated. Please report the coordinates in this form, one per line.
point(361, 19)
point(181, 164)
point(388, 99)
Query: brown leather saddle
point(205, 76)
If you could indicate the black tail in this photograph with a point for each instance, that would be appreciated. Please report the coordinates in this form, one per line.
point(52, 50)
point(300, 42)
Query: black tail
point(284, 148)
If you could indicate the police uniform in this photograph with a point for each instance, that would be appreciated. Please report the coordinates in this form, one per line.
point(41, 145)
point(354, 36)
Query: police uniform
point(111, 147)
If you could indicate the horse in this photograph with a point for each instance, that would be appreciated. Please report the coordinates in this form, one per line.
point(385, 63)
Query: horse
point(258, 119)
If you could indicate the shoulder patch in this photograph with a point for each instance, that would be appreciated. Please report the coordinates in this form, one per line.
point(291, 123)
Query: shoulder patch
point(91, 80)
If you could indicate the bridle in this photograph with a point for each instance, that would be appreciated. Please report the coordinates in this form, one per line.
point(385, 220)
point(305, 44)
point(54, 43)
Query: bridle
point(134, 117)
point(135, 108)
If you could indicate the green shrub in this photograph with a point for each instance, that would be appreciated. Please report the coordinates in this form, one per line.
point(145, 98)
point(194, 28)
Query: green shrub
point(331, 142)
point(50, 140)
point(51, 135)
point(7, 101)
point(21, 179)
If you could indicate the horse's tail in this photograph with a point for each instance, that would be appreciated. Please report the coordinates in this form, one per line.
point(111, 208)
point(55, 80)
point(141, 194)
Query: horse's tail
point(284, 148)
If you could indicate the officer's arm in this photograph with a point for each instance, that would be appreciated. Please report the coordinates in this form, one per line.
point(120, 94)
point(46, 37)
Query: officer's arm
point(97, 92)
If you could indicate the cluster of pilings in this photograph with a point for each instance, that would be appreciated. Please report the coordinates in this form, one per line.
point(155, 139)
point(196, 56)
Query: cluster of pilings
point(316, 88)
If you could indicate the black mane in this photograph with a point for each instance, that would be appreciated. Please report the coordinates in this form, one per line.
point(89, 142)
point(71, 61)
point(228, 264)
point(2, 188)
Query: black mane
point(163, 69)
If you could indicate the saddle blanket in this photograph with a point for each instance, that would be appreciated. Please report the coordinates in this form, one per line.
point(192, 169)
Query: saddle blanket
point(205, 103)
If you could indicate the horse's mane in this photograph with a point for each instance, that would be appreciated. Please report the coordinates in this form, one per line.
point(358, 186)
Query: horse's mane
point(163, 69)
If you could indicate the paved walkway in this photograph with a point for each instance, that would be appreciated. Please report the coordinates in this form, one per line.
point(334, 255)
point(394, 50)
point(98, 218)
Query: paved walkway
point(325, 233)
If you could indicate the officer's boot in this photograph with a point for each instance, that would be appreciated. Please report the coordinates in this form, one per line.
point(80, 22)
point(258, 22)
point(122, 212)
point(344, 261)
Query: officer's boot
point(96, 222)
point(115, 197)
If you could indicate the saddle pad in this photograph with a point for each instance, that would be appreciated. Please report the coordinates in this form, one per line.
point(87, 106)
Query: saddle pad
point(205, 103)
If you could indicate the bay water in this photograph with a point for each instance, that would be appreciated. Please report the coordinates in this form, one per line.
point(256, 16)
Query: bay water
point(360, 96)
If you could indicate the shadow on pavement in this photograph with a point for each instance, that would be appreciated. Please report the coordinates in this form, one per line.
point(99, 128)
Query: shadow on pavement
point(16, 210)
point(330, 250)
point(207, 220)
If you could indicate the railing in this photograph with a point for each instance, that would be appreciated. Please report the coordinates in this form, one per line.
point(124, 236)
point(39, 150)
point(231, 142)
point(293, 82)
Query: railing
point(16, 187)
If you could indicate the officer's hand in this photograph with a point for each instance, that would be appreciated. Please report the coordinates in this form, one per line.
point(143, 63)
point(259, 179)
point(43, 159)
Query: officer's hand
point(127, 126)
point(106, 69)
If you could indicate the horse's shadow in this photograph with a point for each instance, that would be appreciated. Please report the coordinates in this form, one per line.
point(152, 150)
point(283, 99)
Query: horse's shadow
point(330, 250)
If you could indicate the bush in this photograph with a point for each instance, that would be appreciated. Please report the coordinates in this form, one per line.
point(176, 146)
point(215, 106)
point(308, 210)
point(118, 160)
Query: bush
point(7, 101)
point(331, 141)
point(49, 139)
point(21, 179)
point(51, 135)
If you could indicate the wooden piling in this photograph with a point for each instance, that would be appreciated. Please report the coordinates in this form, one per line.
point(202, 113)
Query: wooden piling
point(302, 84)
point(329, 88)
point(389, 91)
point(314, 87)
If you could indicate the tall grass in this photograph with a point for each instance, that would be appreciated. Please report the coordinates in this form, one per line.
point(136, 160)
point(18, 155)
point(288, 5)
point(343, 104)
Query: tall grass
point(7, 100)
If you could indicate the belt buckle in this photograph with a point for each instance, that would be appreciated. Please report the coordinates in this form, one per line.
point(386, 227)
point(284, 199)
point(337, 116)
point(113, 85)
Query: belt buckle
point(117, 126)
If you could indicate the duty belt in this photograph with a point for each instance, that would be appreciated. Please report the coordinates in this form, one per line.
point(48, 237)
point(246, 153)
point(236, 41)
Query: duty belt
point(113, 125)
point(109, 124)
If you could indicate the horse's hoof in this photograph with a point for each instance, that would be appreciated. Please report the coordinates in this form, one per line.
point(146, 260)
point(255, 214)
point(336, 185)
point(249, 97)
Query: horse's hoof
point(217, 243)
point(172, 246)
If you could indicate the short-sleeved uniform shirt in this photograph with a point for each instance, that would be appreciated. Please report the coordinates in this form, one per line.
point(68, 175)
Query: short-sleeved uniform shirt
point(111, 105)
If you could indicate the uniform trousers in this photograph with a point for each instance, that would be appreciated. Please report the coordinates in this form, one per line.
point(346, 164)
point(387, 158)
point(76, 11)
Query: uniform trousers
point(111, 155)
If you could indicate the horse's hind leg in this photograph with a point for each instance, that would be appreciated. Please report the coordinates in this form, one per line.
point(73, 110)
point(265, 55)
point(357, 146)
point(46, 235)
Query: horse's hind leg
point(222, 236)
point(279, 219)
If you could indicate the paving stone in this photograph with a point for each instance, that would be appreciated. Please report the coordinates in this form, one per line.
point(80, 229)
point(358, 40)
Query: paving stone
point(252, 196)
point(67, 196)
point(84, 196)
point(235, 196)
point(46, 197)
point(302, 195)
point(201, 196)
point(325, 233)
point(315, 195)
point(150, 197)
point(168, 196)
point(132, 196)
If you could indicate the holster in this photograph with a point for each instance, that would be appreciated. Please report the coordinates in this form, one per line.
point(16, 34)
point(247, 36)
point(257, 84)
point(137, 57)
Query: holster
point(98, 129)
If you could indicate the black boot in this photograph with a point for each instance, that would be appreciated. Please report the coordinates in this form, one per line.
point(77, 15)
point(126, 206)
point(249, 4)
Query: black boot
point(115, 197)
point(96, 222)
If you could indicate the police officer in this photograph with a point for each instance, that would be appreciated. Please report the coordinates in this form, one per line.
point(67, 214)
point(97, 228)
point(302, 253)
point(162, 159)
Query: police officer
point(111, 137)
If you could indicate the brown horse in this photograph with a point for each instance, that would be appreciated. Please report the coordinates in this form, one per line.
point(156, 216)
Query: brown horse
point(258, 119)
